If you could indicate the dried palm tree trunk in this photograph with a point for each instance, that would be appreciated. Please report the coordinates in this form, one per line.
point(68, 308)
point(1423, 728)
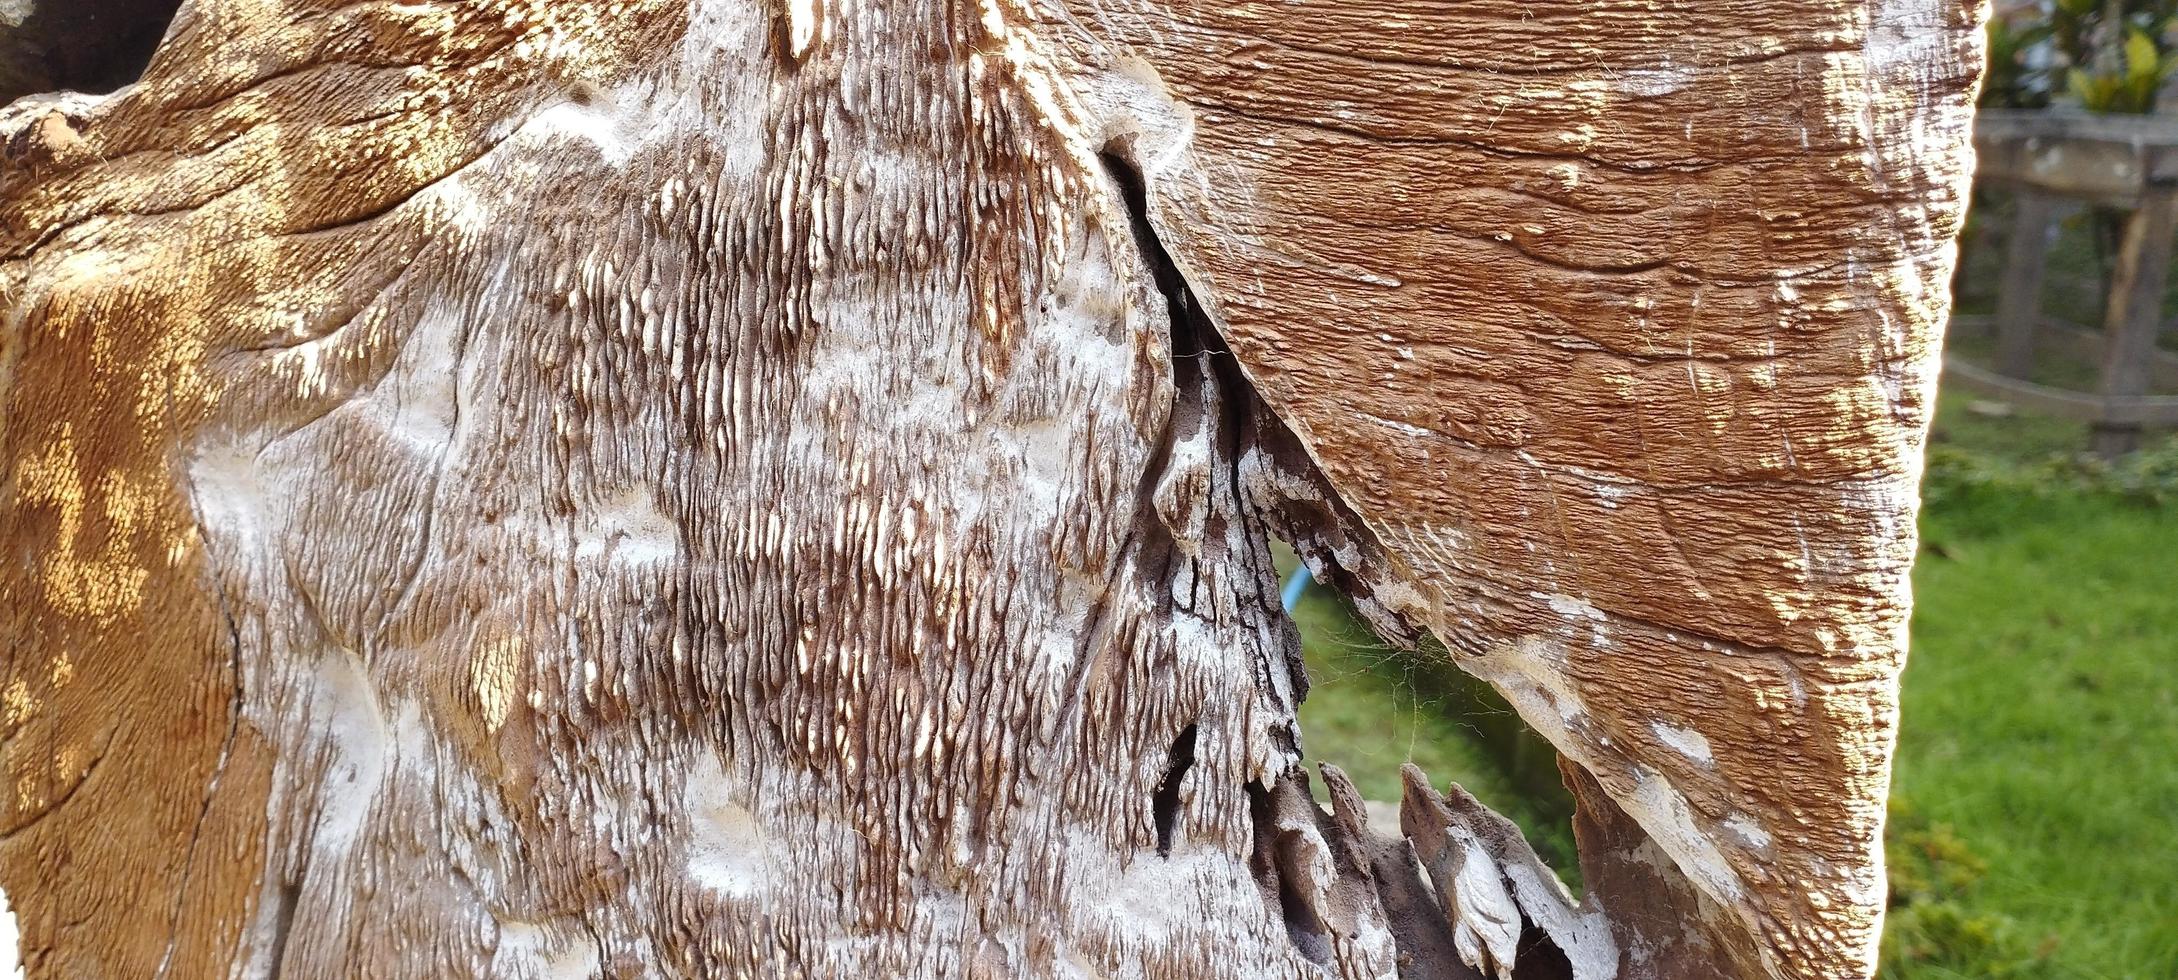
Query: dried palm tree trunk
point(540, 488)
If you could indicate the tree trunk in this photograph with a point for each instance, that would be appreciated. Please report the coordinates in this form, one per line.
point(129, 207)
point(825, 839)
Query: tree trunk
point(706, 487)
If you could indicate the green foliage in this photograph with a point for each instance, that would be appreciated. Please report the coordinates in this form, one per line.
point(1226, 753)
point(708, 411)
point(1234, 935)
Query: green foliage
point(2080, 29)
point(2009, 83)
point(2113, 54)
point(1949, 936)
point(2074, 25)
point(1982, 493)
point(2126, 81)
point(1932, 924)
point(1928, 861)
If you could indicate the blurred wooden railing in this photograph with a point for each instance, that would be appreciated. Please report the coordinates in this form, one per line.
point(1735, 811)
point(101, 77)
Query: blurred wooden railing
point(2045, 157)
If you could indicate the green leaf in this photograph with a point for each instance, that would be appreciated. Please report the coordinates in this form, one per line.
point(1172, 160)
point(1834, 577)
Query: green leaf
point(2142, 61)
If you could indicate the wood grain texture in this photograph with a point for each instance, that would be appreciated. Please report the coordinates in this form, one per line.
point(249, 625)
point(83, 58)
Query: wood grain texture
point(527, 488)
point(1617, 324)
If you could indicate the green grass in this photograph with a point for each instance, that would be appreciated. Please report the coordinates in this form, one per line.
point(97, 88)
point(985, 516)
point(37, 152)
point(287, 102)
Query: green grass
point(2040, 726)
point(1371, 709)
point(2034, 827)
point(1368, 715)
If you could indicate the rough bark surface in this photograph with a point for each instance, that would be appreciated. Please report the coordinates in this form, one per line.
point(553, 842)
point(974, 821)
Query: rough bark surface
point(709, 487)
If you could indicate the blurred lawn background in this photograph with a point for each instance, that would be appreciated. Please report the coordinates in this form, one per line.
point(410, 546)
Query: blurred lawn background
point(2034, 812)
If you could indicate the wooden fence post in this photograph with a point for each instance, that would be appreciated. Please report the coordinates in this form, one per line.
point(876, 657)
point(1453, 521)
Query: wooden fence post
point(2019, 296)
point(2135, 314)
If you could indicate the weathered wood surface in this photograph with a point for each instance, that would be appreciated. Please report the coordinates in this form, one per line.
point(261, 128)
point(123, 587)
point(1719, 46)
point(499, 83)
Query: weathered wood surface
point(710, 488)
point(2135, 315)
point(1626, 361)
point(2108, 158)
point(2123, 161)
point(2019, 293)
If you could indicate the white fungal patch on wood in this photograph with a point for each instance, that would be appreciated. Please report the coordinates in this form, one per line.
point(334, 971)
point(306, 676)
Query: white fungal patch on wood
point(597, 124)
point(1574, 608)
point(1487, 921)
point(627, 527)
point(357, 739)
point(229, 490)
point(419, 401)
point(530, 951)
point(1661, 80)
point(1690, 743)
point(727, 851)
point(1747, 830)
point(1657, 805)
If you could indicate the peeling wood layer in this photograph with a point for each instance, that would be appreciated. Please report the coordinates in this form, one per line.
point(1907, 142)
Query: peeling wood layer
point(519, 488)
